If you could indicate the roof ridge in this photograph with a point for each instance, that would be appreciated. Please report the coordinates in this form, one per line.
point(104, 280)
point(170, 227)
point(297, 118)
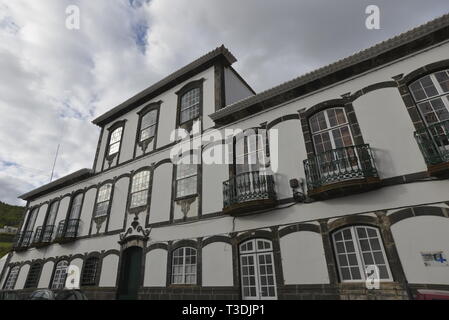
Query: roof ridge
point(358, 56)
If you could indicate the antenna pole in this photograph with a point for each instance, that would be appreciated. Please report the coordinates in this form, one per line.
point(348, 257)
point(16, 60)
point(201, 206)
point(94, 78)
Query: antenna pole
point(54, 164)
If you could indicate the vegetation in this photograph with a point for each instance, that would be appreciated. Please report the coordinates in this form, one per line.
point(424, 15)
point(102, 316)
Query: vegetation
point(10, 215)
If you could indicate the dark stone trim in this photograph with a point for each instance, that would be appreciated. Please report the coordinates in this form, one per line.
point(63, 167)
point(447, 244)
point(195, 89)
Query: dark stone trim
point(403, 87)
point(254, 234)
point(219, 86)
point(293, 116)
point(329, 252)
point(110, 158)
point(144, 111)
point(372, 87)
point(298, 228)
point(97, 151)
point(215, 239)
point(155, 246)
point(347, 221)
point(416, 212)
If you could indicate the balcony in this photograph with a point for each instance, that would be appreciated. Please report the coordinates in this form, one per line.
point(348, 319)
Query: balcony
point(340, 172)
point(67, 230)
point(43, 236)
point(247, 192)
point(22, 240)
point(434, 144)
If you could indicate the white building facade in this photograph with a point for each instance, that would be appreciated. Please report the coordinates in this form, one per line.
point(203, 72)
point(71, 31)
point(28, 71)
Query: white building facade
point(334, 173)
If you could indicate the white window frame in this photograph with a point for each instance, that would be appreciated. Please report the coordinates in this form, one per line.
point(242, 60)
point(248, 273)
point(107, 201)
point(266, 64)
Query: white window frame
point(11, 281)
point(108, 200)
point(184, 266)
point(255, 253)
point(60, 275)
point(186, 177)
point(140, 188)
point(359, 254)
point(115, 142)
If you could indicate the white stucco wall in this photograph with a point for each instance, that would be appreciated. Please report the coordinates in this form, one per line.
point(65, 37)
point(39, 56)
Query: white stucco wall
point(422, 234)
point(156, 268)
point(217, 265)
point(119, 203)
point(109, 271)
point(20, 283)
point(235, 89)
point(303, 260)
point(161, 190)
point(47, 271)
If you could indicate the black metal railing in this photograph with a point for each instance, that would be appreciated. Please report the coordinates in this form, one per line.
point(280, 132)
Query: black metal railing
point(433, 142)
point(47, 235)
point(338, 165)
point(61, 230)
point(67, 229)
point(248, 186)
point(37, 235)
point(23, 239)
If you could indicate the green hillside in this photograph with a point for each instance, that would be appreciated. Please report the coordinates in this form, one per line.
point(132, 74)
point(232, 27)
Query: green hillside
point(9, 216)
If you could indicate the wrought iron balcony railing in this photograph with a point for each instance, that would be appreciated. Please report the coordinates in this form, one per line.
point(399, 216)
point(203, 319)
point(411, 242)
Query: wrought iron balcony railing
point(37, 235)
point(248, 187)
point(23, 240)
point(67, 230)
point(47, 235)
point(339, 165)
point(434, 143)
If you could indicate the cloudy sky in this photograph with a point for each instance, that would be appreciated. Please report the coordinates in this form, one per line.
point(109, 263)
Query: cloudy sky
point(54, 81)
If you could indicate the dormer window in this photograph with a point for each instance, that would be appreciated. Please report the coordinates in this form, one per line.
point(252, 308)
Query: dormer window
point(114, 142)
point(190, 104)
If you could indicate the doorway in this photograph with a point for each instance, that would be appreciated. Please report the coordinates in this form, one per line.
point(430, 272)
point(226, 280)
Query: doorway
point(130, 274)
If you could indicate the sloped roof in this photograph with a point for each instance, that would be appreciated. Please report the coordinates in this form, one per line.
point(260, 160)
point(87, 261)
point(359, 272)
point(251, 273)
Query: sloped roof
point(170, 81)
point(60, 183)
point(364, 55)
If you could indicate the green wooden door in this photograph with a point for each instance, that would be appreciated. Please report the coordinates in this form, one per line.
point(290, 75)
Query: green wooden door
point(130, 274)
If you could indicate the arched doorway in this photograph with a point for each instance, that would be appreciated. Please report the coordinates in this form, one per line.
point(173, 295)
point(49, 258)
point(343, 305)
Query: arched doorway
point(130, 273)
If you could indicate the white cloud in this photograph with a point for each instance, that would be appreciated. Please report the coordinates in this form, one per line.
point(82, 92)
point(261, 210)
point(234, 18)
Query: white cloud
point(54, 81)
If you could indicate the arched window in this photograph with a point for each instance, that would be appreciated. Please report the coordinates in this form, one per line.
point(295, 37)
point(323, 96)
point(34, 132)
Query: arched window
point(60, 275)
point(330, 130)
point(184, 266)
point(10, 282)
point(190, 106)
point(32, 280)
point(250, 151)
point(114, 141)
point(356, 248)
point(90, 271)
point(75, 209)
point(257, 270)
point(103, 200)
point(50, 222)
point(431, 94)
point(139, 189)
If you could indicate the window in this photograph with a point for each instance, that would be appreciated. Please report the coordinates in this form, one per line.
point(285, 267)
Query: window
point(139, 189)
point(53, 210)
point(431, 93)
point(190, 105)
point(75, 209)
point(60, 275)
point(114, 141)
point(10, 282)
point(31, 220)
point(250, 151)
point(356, 248)
point(186, 180)
point(330, 130)
point(148, 125)
point(257, 270)
point(33, 276)
point(103, 199)
point(184, 266)
point(90, 271)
